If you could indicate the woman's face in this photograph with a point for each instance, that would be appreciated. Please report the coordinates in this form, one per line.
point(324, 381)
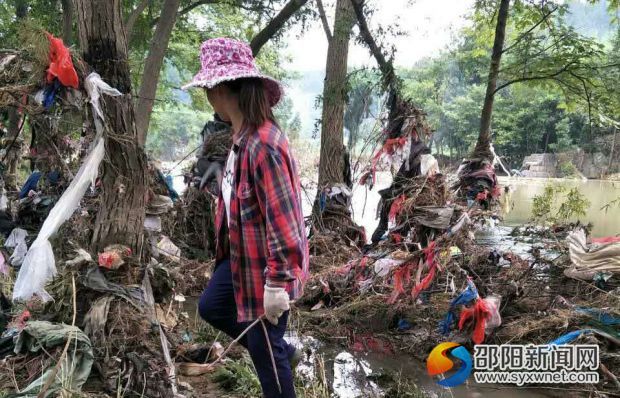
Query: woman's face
point(219, 97)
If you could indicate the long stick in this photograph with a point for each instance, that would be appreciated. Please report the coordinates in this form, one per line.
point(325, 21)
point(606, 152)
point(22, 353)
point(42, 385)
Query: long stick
point(221, 357)
point(273, 361)
point(52, 376)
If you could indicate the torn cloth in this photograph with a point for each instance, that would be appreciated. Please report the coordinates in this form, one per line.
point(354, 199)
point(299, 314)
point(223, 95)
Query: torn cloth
point(39, 337)
point(97, 281)
point(591, 260)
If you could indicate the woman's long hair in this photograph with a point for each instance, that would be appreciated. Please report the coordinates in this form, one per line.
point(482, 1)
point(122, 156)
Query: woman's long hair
point(253, 101)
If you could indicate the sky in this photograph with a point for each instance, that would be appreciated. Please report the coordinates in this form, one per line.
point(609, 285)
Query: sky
point(429, 26)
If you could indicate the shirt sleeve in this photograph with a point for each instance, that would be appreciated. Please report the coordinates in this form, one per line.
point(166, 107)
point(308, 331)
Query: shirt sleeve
point(278, 203)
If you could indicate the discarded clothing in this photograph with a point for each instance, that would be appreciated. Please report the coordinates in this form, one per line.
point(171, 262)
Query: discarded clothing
point(30, 184)
point(38, 337)
point(588, 261)
point(97, 281)
point(96, 318)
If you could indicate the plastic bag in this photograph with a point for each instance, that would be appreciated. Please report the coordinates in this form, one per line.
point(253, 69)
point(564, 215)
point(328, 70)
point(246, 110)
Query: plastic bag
point(166, 248)
point(17, 240)
point(39, 264)
point(4, 268)
point(383, 266)
point(428, 165)
point(495, 319)
point(4, 201)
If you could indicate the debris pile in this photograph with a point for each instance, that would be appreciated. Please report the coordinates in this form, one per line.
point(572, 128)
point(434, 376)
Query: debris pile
point(108, 321)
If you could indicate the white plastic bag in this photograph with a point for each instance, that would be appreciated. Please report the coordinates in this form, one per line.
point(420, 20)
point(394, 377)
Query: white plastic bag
point(383, 266)
point(17, 241)
point(39, 264)
point(4, 201)
point(428, 165)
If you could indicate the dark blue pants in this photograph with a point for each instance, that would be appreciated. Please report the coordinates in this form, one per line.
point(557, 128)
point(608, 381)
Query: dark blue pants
point(217, 306)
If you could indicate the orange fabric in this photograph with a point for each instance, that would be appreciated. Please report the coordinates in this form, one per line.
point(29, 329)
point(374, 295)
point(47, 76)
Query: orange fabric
point(61, 66)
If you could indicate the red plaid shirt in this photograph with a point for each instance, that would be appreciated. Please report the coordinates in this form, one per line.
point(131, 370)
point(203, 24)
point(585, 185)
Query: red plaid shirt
point(266, 242)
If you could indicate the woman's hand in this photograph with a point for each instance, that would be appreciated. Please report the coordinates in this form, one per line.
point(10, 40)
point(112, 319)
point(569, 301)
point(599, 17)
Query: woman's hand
point(275, 302)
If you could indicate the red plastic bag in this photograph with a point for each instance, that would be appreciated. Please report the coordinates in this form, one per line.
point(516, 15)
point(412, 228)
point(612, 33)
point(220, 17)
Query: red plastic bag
point(61, 66)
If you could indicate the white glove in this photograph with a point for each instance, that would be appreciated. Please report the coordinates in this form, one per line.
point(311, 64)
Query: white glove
point(275, 302)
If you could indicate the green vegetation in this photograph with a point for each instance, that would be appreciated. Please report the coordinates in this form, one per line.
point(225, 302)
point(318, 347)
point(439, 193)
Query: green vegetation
point(557, 204)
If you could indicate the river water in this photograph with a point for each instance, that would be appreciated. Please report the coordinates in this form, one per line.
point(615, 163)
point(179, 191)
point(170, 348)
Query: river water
point(598, 192)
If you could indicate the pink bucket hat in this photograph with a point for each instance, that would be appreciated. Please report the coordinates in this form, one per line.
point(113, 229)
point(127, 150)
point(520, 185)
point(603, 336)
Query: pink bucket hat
point(226, 59)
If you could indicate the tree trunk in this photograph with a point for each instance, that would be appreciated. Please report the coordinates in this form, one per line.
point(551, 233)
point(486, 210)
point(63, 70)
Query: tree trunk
point(123, 198)
point(331, 166)
point(152, 67)
point(67, 21)
point(483, 146)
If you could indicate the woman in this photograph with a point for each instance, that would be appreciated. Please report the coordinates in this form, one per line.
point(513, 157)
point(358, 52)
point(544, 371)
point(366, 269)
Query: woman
point(261, 249)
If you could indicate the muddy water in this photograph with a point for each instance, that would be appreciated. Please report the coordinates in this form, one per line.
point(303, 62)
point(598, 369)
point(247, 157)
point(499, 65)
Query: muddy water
point(598, 192)
point(351, 375)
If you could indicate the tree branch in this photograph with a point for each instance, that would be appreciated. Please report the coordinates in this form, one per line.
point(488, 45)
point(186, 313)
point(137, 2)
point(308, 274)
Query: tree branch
point(386, 67)
point(133, 17)
point(530, 30)
point(533, 78)
point(190, 7)
point(274, 26)
point(324, 21)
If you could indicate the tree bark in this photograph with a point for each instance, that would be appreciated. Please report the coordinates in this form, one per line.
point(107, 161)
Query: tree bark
point(274, 26)
point(67, 22)
point(483, 146)
point(324, 22)
point(123, 198)
point(152, 67)
point(331, 166)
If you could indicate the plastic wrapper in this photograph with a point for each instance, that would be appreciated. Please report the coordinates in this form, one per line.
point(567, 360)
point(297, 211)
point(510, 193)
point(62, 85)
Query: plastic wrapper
point(169, 250)
point(17, 241)
point(39, 264)
point(495, 319)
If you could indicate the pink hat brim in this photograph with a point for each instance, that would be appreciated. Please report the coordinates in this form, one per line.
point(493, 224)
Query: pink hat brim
point(272, 86)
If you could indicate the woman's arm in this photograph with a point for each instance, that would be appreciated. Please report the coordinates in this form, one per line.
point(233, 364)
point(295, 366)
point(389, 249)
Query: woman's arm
point(279, 205)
